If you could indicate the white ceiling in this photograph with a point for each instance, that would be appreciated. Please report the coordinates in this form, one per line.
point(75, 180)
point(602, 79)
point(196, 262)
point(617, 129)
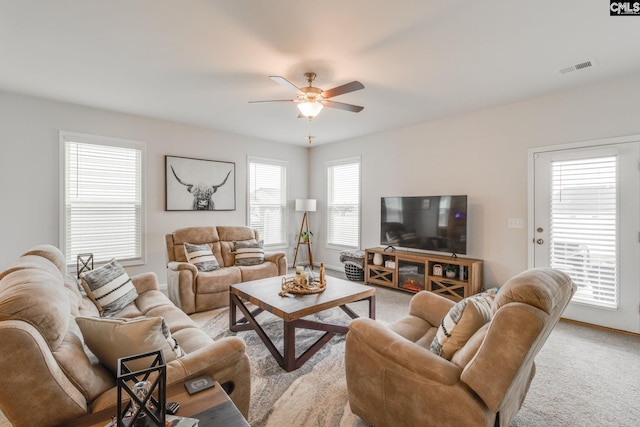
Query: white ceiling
point(202, 61)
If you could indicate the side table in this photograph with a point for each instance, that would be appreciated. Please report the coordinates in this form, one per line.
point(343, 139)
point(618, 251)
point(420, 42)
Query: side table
point(211, 406)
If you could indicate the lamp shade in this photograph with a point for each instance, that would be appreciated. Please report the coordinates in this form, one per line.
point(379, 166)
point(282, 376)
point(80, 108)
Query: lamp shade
point(310, 109)
point(306, 205)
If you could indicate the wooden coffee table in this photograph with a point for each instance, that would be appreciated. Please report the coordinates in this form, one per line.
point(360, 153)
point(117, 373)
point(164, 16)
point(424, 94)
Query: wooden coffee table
point(291, 309)
point(211, 406)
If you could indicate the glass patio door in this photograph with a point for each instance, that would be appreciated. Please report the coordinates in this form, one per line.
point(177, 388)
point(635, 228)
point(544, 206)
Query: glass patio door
point(586, 222)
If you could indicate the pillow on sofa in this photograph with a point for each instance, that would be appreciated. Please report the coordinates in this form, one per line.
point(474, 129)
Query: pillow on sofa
point(109, 287)
point(461, 322)
point(248, 252)
point(201, 256)
point(111, 339)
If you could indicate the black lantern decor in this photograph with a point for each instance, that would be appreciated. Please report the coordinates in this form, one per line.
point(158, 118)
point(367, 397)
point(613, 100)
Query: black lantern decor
point(146, 388)
point(84, 262)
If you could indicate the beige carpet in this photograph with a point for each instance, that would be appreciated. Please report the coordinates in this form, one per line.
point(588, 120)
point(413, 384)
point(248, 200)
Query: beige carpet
point(585, 376)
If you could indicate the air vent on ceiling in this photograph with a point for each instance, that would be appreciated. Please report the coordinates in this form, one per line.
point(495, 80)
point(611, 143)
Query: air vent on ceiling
point(576, 67)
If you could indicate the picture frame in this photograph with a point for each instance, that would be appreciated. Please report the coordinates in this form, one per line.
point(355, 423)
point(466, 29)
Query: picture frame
point(199, 184)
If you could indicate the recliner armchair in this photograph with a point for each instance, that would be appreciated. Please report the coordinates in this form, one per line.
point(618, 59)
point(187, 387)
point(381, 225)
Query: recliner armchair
point(394, 379)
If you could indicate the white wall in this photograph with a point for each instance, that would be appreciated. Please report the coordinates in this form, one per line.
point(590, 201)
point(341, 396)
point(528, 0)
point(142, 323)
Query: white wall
point(483, 155)
point(29, 171)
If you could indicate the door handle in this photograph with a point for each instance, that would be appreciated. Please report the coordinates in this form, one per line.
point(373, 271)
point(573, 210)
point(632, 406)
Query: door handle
point(539, 241)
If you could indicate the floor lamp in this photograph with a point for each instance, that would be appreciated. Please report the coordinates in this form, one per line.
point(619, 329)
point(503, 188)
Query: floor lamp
point(304, 205)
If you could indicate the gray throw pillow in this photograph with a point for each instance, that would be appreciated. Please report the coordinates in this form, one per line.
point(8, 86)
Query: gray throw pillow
point(109, 287)
point(248, 252)
point(201, 256)
point(461, 322)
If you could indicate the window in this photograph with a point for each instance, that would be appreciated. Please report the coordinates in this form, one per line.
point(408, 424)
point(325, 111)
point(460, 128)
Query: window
point(583, 226)
point(343, 203)
point(102, 209)
point(268, 200)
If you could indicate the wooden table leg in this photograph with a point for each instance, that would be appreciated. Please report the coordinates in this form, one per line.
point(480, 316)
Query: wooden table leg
point(289, 347)
point(287, 360)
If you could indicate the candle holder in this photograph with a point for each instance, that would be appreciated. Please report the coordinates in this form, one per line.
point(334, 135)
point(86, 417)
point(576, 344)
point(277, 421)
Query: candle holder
point(84, 262)
point(146, 389)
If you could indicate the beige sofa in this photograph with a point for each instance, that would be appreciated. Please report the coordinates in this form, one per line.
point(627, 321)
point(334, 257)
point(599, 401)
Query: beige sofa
point(195, 291)
point(49, 377)
point(395, 379)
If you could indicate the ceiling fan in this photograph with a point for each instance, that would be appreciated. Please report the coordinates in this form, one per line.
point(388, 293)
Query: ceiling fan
point(310, 100)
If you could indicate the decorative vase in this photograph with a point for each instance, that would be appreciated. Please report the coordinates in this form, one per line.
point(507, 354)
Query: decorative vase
point(377, 259)
point(309, 272)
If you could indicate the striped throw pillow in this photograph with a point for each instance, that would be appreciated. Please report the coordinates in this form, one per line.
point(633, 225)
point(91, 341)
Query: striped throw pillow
point(461, 322)
point(248, 252)
point(109, 287)
point(201, 256)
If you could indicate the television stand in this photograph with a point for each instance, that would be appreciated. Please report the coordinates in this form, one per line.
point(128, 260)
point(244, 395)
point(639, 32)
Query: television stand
point(452, 277)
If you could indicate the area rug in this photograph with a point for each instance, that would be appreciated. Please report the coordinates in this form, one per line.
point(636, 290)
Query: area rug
point(316, 393)
point(585, 376)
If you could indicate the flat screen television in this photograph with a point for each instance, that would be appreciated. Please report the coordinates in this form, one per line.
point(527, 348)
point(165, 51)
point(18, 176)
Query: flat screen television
point(430, 223)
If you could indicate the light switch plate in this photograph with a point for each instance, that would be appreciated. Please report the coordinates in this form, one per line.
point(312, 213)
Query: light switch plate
point(515, 223)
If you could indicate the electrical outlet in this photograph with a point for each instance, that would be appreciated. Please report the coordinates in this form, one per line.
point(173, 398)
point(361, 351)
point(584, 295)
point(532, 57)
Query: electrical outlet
point(515, 223)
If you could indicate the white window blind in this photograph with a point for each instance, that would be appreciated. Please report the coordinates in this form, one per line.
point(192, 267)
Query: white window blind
point(343, 203)
point(583, 227)
point(103, 193)
point(268, 200)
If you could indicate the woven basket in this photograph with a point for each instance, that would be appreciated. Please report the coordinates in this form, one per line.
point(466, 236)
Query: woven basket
point(353, 271)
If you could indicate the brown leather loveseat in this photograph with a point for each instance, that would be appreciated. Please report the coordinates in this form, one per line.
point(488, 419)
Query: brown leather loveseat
point(195, 291)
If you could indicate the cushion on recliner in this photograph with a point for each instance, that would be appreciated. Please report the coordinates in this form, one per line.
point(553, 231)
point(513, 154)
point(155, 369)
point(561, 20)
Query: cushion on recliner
point(201, 256)
point(193, 235)
point(461, 322)
point(51, 253)
point(84, 370)
point(248, 252)
point(109, 287)
point(38, 297)
point(111, 339)
point(526, 288)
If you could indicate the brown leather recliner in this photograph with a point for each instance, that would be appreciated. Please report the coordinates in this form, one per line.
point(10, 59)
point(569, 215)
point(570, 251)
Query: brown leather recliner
point(394, 379)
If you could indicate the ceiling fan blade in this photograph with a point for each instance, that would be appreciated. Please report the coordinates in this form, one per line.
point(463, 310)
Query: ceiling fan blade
point(273, 100)
point(343, 106)
point(284, 82)
point(345, 88)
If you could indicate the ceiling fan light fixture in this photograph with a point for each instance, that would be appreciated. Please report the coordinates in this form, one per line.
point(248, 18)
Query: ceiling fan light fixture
point(310, 109)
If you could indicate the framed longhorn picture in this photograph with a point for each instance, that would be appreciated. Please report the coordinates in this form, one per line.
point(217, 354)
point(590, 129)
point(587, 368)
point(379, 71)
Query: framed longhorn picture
point(199, 185)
